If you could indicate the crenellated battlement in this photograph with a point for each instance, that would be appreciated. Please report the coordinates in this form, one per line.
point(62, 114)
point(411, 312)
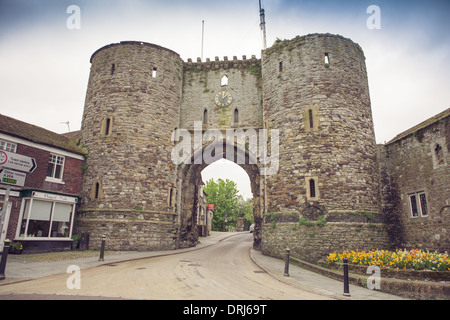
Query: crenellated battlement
point(221, 64)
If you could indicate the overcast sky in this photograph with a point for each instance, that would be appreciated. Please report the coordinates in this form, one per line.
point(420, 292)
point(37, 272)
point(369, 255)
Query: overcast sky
point(44, 64)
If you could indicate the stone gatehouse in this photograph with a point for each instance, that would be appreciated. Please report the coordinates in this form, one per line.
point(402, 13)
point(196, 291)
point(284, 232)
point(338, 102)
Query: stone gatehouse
point(325, 189)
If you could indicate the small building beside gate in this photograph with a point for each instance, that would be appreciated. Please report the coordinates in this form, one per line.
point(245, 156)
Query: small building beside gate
point(40, 214)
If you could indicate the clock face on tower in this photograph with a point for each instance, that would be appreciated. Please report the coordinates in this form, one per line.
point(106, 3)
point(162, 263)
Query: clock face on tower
point(223, 99)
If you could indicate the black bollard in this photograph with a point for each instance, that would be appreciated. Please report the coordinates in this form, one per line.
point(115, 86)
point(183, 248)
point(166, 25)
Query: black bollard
point(102, 249)
point(4, 258)
point(346, 287)
point(286, 263)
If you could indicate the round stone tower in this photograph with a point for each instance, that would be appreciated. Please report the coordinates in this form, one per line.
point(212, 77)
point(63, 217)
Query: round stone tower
point(316, 94)
point(131, 110)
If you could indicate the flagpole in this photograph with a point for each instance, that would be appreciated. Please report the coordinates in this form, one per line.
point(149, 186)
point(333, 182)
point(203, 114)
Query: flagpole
point(262, 17)
point(203, 36)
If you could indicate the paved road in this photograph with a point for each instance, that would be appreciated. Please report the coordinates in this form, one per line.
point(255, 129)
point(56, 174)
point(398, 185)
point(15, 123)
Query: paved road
point(223, 271)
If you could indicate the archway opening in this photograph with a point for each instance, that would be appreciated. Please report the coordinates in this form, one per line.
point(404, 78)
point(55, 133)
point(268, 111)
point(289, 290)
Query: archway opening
point(227, 186)
point(190, 184)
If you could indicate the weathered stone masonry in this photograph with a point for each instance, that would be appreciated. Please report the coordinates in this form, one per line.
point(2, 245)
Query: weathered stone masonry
point(326, 194)
point(415, 173)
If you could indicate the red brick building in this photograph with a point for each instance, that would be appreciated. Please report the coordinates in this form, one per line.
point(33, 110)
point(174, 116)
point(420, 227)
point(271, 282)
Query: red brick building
point(40, 213)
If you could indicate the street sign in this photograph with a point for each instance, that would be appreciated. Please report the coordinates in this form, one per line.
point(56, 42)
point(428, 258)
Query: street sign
point(12, 177)
point(16, 161)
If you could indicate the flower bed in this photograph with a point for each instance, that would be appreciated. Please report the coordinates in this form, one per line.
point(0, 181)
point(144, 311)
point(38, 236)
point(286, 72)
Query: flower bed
point(414, 259)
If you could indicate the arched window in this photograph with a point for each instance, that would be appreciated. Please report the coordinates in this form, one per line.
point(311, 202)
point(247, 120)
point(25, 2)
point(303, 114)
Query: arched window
point(236, 115)
point(205, 116)
point(106, 128)
point(439, 154)
point(154, 72)
point(171, 197)
point(175, 135)
point(224, 81)
point(312, 188)
point(97, 190)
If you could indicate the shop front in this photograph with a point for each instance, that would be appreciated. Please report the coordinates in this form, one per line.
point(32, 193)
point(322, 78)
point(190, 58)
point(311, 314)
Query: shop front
point(45, 221)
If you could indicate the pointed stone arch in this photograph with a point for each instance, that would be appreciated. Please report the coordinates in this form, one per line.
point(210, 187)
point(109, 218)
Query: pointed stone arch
point(189, 180)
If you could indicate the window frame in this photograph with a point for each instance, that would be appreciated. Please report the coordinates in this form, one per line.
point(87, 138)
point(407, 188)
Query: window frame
point(52, 178)
point(417, 205)
point(8, 146)
point(312, 196)
point(26, 210)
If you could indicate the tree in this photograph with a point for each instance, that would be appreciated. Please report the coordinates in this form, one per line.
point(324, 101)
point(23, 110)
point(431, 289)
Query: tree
point(246, 211)
point(224, 194)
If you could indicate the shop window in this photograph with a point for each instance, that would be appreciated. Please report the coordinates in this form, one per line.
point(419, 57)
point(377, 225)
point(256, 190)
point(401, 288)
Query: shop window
point(46, 219)
point(55, 168)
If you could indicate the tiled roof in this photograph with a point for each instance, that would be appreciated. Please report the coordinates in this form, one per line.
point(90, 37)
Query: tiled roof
point(20, 129)
point(444, 114)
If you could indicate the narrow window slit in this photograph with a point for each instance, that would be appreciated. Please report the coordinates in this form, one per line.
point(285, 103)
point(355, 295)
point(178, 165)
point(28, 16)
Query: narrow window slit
point(205, 116)
point(312, 188)
point(97, 190)
point(311, 118)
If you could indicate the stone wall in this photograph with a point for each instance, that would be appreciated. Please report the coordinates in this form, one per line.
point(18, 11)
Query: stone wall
point(203, 80)
point(323, 114)
point(131, 111)
point(314, 243)
point(128, 229)
point(316, 94)
point(314, 91)
point(415, 163)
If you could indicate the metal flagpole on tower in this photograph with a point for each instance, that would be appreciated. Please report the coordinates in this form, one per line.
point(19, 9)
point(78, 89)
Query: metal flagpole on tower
point(262, 17)
point(203, 36)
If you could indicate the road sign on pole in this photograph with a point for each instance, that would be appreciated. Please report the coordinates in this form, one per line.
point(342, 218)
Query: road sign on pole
point(16, 161)
point(12, 177)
